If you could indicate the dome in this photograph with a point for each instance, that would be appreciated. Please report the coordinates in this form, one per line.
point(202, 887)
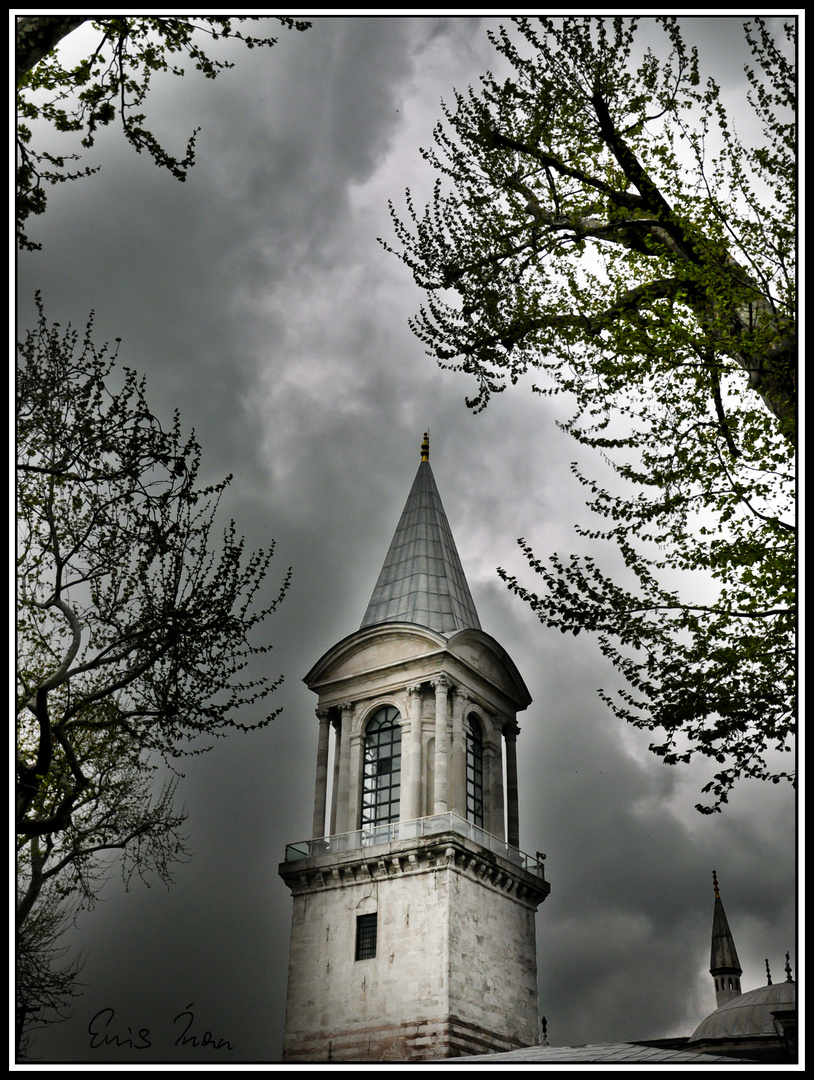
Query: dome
point(747, 1015)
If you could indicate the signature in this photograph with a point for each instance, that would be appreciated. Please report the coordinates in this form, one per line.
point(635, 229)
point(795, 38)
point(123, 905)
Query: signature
point(104, 1031)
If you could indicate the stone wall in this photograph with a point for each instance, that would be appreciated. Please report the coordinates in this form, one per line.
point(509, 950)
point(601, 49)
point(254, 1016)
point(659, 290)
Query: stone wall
point(455, 965)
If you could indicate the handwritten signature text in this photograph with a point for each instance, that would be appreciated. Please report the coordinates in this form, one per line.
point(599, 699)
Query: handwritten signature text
point(104, 1030)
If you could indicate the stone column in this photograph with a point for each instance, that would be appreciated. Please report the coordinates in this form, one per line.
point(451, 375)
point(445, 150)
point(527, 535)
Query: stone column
point(321, 789)
point(493, 786)
point(510, 733)
point(355, 768)
point(411, 760)
point(344, 769)
point(441, 686)
point(458, 759)
point(337, 723)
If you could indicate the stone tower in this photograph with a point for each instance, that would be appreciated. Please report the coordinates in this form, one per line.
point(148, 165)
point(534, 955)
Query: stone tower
point(413, 926)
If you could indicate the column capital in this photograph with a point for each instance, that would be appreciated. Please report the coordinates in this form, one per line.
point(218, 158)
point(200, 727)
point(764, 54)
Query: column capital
point(414, 689)
point(442, 682)
point(460, 702)
point(511, 728)
point(323, 712)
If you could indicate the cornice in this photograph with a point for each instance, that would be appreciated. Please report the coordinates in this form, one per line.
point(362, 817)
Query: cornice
point(448, 851)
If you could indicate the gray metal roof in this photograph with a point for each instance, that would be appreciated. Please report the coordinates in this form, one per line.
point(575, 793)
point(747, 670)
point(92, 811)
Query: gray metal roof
point(598, 1054)
point(747, 1015)
point(422, 580)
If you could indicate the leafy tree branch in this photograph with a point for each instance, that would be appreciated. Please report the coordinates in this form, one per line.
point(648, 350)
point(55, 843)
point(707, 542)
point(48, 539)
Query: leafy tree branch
point(599, 219)
point(112, 80)
point(137, 632)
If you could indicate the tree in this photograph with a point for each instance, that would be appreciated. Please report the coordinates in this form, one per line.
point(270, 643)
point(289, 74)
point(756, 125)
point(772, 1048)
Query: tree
point(46, 979)
point(115, 76)
point(62, 869)
point(135, 633)
point(599, 218)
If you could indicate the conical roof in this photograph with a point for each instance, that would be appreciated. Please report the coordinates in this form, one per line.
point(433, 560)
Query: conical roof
point(724, 955)
point(422, 580)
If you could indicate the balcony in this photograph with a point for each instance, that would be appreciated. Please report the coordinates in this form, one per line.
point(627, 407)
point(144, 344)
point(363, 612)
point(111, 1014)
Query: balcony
point(375, 835)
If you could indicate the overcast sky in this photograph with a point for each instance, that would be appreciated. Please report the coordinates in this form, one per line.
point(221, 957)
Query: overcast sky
point(257, 301)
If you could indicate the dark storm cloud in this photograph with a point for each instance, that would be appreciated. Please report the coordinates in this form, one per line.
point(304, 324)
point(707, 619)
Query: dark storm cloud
point(256, 300)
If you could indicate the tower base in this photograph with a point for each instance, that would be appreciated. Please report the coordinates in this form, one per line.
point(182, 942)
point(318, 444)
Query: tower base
point(450, 969)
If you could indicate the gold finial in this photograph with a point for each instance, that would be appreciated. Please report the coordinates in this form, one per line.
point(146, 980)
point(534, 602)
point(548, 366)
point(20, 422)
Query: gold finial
point(425, 447)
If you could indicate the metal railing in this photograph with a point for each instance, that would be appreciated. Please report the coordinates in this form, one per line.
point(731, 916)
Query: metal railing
point(410, 830)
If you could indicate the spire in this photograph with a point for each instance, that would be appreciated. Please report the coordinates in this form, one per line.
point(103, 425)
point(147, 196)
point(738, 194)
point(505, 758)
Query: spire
point(788, 970)
point(724, 966)
point(544, 1032)
point(422, 580)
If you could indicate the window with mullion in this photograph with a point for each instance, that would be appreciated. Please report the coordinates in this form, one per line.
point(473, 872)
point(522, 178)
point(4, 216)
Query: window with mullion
point(366, 934)
point(474, 775)
point(381, 786)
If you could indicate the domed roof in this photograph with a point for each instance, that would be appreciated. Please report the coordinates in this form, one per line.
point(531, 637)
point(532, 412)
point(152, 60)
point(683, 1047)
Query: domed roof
point(747, 1015)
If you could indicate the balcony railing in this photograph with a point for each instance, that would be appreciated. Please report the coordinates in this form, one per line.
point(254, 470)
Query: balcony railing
point(410, 830)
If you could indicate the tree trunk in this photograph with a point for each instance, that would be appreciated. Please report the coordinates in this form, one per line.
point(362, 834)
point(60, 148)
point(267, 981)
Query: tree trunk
point(38, 35)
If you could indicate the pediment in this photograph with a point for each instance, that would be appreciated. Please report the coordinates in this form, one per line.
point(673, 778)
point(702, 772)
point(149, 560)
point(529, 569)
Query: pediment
point(390, 645)
point(374, 648)
point(482, 653)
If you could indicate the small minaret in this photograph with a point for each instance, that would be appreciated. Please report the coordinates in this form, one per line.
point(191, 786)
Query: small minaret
point(413, 922)
point(724, 966)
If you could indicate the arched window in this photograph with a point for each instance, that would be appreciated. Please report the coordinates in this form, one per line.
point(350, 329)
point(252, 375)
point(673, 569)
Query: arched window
point(381, 791)
point(474, 773)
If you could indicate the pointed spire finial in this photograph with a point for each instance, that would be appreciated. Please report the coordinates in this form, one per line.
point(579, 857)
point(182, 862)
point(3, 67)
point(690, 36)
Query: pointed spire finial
point(724, 966)
point(788, 970)
point(768, 973)
point(405, 591)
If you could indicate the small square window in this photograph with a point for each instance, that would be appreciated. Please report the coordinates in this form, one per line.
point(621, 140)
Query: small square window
point(366, 936)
